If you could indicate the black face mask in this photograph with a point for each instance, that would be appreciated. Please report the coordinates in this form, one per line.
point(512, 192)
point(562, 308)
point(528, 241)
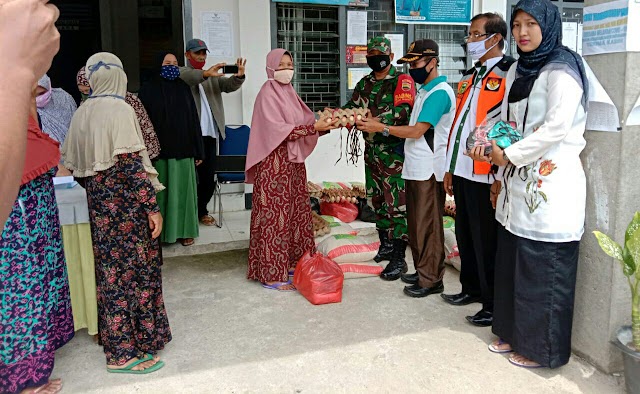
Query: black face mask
point(379, 62)
point(420, 75)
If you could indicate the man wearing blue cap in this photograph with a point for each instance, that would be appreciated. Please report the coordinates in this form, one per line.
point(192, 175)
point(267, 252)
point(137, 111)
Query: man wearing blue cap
point(207, 87)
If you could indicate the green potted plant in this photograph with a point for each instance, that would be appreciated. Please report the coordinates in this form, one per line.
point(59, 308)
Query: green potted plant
point(628, 338)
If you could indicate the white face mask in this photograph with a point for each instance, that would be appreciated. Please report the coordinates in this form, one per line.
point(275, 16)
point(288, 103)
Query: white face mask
point(477, 50)
point(283, 76)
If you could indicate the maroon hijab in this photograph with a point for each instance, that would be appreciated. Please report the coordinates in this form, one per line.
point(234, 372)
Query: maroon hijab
point(278, 110)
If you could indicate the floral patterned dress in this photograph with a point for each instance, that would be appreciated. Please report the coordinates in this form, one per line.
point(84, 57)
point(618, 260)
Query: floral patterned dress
point(132, 318)
point(281, 224)
point(35, 311)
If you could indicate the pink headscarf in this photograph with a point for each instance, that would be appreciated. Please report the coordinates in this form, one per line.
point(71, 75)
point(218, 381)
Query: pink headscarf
point(277, 111)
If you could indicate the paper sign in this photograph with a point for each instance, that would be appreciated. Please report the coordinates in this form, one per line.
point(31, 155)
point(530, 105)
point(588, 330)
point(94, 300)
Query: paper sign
point(397, 46)
point(602, 114)
point(357, 27)
point(570, 35)
point(217, 33)
point(355, 75)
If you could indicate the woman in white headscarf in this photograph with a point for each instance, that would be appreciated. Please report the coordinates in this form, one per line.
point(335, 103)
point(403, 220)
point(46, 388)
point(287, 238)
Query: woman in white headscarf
point(105, 149)
point(55, 108)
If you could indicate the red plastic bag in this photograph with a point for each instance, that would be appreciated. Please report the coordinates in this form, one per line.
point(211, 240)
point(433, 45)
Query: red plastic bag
point(319, 279)
point(345, 211)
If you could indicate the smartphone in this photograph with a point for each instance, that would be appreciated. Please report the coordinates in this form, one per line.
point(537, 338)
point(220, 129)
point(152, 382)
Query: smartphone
point(230, 69)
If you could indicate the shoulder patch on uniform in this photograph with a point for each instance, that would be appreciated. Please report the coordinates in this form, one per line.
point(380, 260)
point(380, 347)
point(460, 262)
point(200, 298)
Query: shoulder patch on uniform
point(405, 91)
point(493, 84)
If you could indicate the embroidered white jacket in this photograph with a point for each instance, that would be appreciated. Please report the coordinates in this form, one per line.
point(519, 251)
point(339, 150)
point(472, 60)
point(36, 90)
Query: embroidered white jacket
point(543, 194)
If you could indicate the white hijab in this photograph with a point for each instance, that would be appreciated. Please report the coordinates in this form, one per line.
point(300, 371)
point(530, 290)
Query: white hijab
point(105, 126)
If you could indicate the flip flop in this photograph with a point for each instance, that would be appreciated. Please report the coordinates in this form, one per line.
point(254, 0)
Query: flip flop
point(129, 369)
point(208, 220)
point(494, 349)
point(278, 286)
point(523, 365)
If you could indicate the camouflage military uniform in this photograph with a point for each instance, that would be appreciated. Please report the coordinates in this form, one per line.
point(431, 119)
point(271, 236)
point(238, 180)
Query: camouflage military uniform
point(384, 156)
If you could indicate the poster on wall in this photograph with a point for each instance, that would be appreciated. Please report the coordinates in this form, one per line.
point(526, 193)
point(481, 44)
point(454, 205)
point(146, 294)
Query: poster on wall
point(354, 75)
point(351, 3)
point(217, 33)
point(357, 27)
point(611, 27)
point(397, 46)
point(444, 12)
point(356, 54)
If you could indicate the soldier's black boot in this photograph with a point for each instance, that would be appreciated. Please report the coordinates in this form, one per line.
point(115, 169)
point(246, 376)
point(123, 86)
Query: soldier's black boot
point(397, 266)
point(386, 247)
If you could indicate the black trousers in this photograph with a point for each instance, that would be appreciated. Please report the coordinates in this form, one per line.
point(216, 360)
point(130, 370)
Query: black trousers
point(535, 292)
point(206, 174)
point(476, 228)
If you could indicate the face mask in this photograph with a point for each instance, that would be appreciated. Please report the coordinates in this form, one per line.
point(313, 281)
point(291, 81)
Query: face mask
point(420, 75)
point(170, 72)
point(196, 64)
point(43, 99)
point(477, 50)
point(379, 62)
point(283, 76)
point(83, 97)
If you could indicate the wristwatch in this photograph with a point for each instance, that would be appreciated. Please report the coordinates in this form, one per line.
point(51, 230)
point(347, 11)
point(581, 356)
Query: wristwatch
point(385, 131)
point(505, 157)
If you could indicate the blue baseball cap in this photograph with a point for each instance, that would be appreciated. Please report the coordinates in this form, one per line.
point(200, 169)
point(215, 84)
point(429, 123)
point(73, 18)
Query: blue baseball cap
point(195, 45)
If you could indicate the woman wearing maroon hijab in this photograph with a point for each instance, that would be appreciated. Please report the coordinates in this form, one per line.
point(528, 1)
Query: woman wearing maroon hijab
point(283, 135)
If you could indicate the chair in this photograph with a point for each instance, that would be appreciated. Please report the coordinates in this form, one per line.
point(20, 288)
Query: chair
point(232, 155)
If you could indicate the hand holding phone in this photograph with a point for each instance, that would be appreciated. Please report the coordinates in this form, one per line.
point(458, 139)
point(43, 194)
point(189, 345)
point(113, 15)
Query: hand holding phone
point(230, 69)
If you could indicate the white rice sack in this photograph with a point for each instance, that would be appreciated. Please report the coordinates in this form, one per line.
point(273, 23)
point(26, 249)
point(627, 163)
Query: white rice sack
point(347, 248)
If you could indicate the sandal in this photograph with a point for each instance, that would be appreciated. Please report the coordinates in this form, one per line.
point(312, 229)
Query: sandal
point(208, 220)
point(129, 368)
point(187, 241)
point(522, 362)
point(494, 347)
point(279, 286)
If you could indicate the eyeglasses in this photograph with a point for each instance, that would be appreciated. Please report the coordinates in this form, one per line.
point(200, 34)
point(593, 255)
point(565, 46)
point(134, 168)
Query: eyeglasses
point(475, 36)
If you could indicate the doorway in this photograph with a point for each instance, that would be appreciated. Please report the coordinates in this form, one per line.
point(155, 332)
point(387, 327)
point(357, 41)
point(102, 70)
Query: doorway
point(133, 30)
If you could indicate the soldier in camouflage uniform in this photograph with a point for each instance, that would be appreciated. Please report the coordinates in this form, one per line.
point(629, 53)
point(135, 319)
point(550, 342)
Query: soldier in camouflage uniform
point(384, 93)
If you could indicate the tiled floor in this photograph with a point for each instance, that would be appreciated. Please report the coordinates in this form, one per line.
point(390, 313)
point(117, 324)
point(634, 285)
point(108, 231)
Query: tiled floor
point(234, 234)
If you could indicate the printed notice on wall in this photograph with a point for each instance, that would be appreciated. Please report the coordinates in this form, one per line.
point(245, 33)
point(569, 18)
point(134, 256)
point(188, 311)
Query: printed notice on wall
point(217, 33)
point(611, 27)
point(355, 75)
point(397, 46)
point(357, 27)
point(602, 114)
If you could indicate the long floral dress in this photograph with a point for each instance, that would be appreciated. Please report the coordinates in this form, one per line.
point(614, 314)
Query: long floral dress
point(281, 224)
point(35, 308)
point(132, 319)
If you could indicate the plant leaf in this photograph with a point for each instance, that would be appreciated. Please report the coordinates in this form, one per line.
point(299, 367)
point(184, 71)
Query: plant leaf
point(544, 196)
point(633, 246)
point(609, 246)
point(633, 227)
point(528, 186)
point(628, 261)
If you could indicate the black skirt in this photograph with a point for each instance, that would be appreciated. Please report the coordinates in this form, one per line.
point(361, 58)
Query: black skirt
point(534, 295)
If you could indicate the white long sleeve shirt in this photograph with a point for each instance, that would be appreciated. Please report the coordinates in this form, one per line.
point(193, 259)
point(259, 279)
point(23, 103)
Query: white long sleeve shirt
point(543, 197)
